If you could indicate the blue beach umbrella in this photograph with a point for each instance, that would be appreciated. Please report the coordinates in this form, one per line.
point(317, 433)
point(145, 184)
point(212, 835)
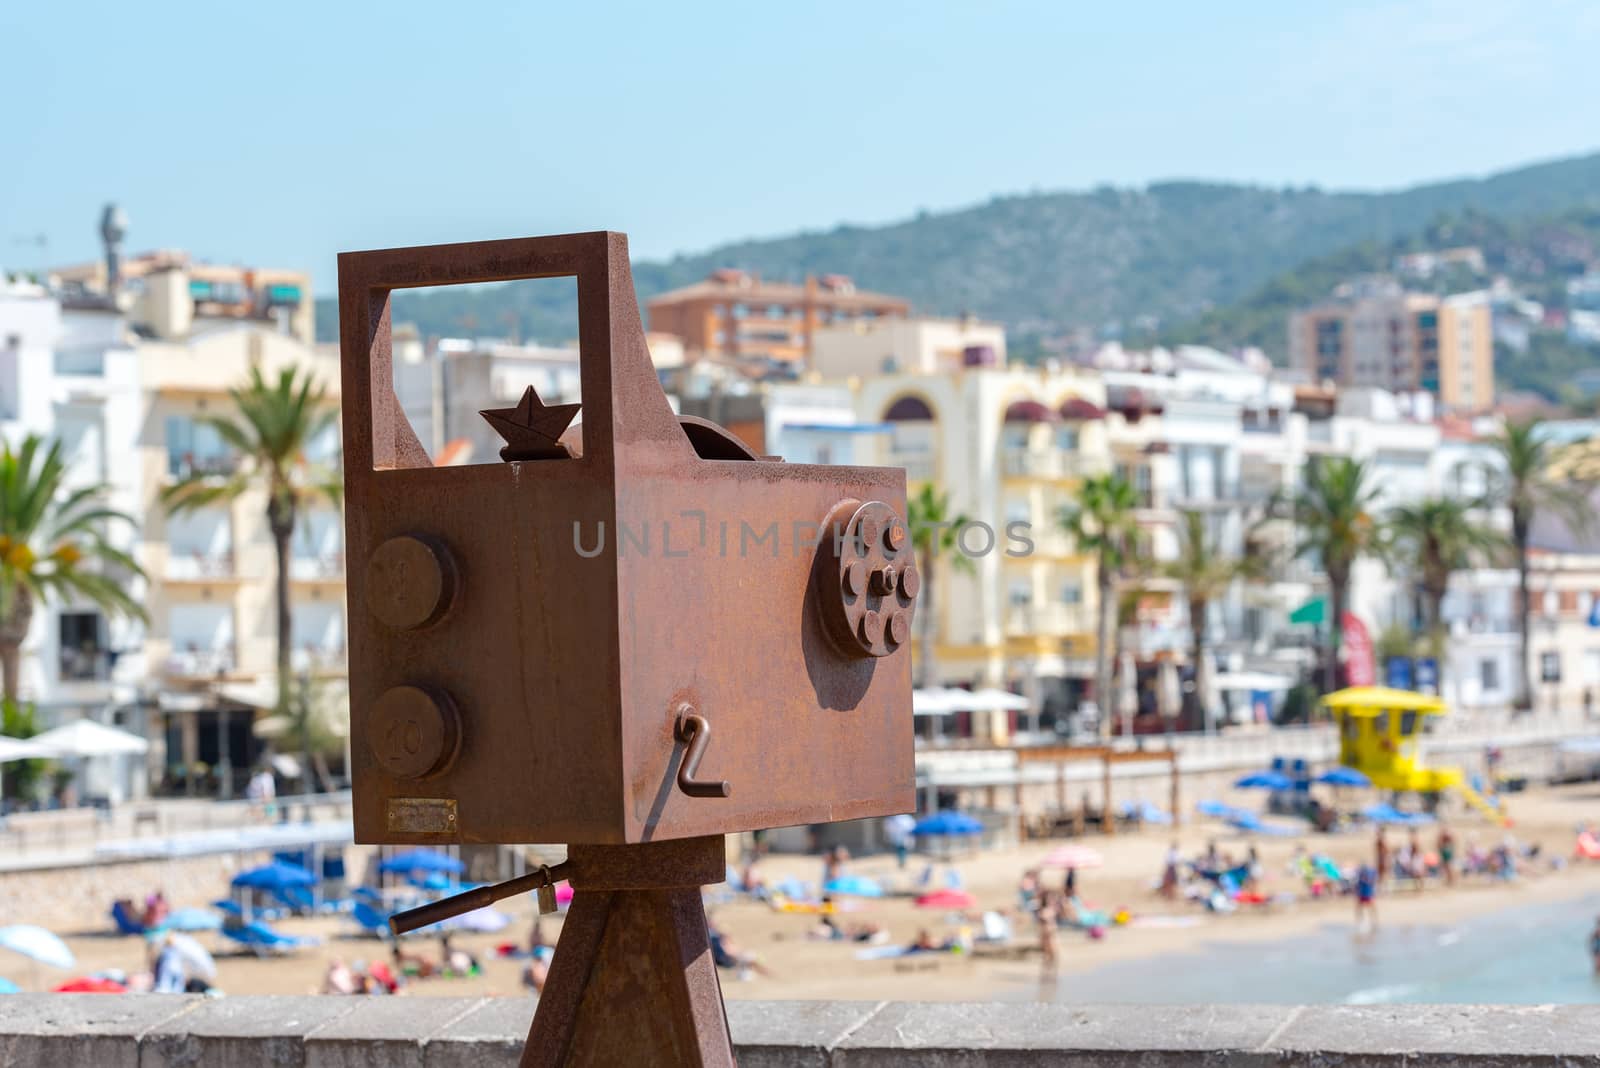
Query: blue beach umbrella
point(852, 886)
point(947, 823)
point(193, 920)
point(422, 860)
point(274, 876)
point(1265, 780)
point(1343, 777)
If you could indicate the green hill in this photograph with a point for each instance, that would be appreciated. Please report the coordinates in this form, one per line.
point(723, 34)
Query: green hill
point(1147, 257)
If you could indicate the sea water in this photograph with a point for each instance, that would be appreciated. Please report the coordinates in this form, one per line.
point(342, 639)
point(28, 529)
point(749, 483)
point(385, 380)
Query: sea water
point(1522, 955)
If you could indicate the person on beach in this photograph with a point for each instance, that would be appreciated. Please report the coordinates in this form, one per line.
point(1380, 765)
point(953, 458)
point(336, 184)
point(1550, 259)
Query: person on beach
point(1047, 916)
point(1366, 898)
point(1594, 946)
point(1447, 855)
point(1380, 851)
point(1169, 873)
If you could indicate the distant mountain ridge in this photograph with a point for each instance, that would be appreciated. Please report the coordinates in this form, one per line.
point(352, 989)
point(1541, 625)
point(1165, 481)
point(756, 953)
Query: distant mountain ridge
point(1148, 258)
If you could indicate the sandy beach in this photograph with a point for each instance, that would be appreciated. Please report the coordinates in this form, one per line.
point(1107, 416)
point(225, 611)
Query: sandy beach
point(803, 967)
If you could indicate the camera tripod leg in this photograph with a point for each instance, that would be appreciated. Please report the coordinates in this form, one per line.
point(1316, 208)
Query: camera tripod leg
point(633, 981)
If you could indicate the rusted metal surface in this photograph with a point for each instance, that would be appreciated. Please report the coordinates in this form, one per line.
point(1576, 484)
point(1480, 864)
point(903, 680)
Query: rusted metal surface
point(632, 981)
point(538, 648)
point(523, 633)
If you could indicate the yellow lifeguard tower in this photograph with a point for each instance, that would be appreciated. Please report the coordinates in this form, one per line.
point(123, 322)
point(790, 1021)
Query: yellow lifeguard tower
point(1379, 731)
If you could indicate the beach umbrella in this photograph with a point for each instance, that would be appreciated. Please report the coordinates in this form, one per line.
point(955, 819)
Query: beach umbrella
point(196, 960)
point(8, 987)
point(1071, 856)
point(852, 886)
point(1265, 780)
point(23, 749)
point(947, 899)
point(948, 822)
point(37, 944)
point(193, 920)
point(1343, 777)
point(86, 738)
point(480, 921)
point(422, 860)
point(274, 876)
point(936, 701)
point(990, 699)
point(91, 984)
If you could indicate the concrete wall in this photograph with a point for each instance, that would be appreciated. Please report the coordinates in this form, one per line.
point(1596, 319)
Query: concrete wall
point(166, 1031)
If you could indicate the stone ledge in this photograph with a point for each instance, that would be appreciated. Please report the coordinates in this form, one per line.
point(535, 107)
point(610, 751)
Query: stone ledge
point(169, 1031)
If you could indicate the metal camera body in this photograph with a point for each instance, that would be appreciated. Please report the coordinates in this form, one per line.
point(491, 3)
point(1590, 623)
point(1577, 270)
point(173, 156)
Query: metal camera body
point(652, 634)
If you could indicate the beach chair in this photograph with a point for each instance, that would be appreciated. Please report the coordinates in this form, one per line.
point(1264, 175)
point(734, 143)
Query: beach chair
point(125, 921)
point(263, 940)
point(370, 919)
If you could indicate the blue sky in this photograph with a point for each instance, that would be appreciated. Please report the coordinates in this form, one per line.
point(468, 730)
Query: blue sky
point(281, 133)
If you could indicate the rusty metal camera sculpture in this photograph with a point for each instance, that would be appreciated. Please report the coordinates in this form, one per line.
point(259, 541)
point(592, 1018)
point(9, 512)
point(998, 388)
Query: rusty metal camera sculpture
point(633, 636)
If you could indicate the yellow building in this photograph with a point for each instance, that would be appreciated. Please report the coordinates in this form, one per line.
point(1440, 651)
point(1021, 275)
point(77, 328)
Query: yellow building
point(1015, 604)
point(211, 642)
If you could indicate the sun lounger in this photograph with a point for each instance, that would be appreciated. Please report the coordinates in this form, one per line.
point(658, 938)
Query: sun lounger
point(125, 921)
point(371, 920)
point(263, 940)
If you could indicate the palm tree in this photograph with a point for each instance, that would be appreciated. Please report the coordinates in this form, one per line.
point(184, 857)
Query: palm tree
point(933, 531)
point(1442, 536)
point(1206, 573)
point(1335, 526)
point(274, 424)
point(53, 545)
point(1103, 523)
point(1529, 486)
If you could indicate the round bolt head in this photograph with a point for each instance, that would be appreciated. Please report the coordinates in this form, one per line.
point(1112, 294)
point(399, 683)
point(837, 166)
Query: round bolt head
point(894, 538)
point(412, 732)
point(410, 582)
point(871, 628)
point(910, 582)
point(855, 578)
point(899, 628)
point(867, 535)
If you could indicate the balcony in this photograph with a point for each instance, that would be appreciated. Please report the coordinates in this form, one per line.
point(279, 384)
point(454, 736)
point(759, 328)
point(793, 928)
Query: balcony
point(918, 465)
point(198, 565)
point(1032, 463)
point(322, 567)
point(181, 465)
point(1046, 464)
point(200, 663)
point(84, 665)
point(1050, 620)
point(318, 657)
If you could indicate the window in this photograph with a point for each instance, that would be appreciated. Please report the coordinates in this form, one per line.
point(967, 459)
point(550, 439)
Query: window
point(1071, 592)
point(1549, 667)
point(1067, 439)
point(1020, 593)
point(83, 645)
point(1489, 675)
point(1015, 435)
point(195, 447)
point(1018, 511)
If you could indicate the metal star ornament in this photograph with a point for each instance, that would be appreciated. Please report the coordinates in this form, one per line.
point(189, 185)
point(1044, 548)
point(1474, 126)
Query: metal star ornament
point(532, 430)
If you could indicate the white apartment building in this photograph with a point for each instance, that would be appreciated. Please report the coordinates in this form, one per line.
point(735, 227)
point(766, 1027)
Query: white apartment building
point(126, 391)
point(72, 375)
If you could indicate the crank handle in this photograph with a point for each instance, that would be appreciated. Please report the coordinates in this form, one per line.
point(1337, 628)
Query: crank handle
point(694, 732)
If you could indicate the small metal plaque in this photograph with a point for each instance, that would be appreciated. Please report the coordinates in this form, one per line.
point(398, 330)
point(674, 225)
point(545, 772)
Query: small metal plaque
point(422, 815)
